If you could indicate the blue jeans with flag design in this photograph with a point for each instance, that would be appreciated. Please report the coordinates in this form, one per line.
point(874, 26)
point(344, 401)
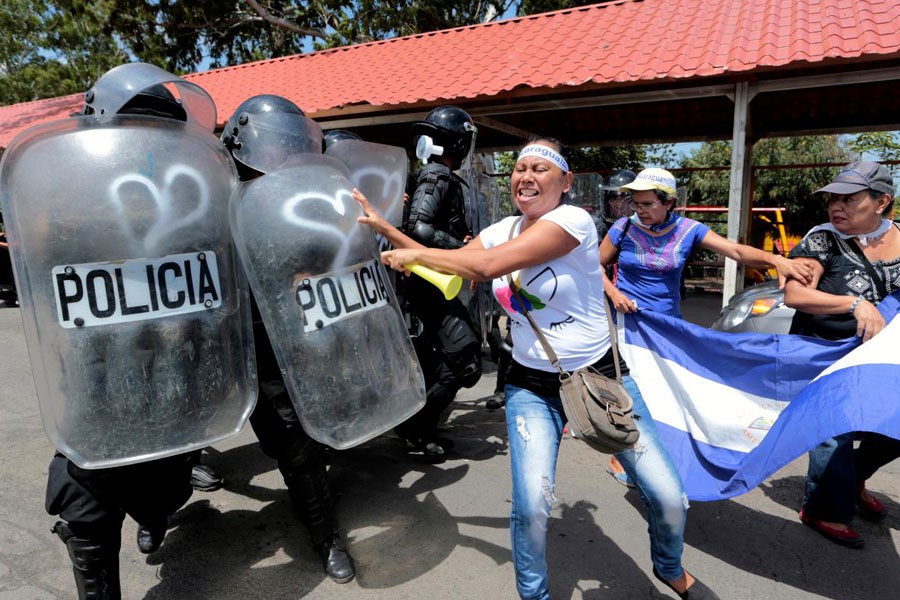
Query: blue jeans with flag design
point(535, 427)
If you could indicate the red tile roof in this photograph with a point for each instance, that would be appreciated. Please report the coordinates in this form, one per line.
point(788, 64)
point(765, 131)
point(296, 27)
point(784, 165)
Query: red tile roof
point(627, 41)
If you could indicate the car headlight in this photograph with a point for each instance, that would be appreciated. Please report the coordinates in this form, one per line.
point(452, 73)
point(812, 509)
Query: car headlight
point(763, 306)
point(746, 306)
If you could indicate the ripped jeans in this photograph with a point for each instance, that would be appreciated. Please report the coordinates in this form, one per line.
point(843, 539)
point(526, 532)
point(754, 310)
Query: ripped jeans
point(535, 425)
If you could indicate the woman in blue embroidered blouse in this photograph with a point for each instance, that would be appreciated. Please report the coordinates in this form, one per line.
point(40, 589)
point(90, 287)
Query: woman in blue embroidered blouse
point(652, 247)
point(655, 243)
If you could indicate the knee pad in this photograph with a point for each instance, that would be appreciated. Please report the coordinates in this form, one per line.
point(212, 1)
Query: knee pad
point(456, 334)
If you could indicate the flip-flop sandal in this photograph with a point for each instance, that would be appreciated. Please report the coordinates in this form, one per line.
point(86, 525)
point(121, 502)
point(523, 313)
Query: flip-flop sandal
point(620, 477)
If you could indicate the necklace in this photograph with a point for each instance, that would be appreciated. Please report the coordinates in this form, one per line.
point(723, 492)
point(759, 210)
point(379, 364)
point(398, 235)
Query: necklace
point(863, 238)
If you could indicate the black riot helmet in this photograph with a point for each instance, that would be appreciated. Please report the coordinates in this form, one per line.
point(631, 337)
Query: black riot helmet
point(266, 131)
point(446, 131)
point(615, 204)
point(155, 101)
point(333, 136)
point(145, 89)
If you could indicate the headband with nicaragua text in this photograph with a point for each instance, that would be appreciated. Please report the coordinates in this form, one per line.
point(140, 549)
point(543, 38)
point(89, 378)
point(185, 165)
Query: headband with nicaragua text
point(546, 152)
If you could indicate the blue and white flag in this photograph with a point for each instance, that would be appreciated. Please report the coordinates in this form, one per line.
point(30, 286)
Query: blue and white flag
point(733, 408)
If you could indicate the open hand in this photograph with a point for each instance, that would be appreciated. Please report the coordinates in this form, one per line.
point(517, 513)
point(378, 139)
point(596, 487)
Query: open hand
point(793, 269)
point(370, 215)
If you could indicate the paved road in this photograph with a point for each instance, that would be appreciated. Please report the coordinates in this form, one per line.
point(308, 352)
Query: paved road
point(435, 531)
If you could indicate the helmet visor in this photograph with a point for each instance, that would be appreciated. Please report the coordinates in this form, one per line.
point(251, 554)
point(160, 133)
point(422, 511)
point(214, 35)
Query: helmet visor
point(121, 84)
point(267, 141)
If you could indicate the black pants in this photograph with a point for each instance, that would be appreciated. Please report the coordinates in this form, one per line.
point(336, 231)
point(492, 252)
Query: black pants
point(94, 502)
point(300, 458)
point(448, 350)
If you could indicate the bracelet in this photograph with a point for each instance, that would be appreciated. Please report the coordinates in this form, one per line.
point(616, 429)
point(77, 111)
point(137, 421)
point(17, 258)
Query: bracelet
point(855, 304)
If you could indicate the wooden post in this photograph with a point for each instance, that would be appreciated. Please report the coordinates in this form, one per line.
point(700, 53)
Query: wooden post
point(739, 187)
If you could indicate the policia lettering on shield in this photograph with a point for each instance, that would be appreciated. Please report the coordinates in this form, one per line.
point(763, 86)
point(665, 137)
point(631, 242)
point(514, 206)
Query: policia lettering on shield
point(136, 290)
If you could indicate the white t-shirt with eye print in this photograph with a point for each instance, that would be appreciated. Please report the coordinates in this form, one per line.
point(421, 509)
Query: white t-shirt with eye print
point(564, 295)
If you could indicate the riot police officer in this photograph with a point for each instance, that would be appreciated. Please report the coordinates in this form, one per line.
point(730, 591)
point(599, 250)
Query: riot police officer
point(281, 435)
point(614, 202)
point(333, 136)
point(448, 347)
point(118, 322)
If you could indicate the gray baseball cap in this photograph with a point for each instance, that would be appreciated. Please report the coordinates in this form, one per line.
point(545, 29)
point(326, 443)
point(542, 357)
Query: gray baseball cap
point(861, 175)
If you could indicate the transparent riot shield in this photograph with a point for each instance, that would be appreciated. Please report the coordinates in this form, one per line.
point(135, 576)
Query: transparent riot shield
point(330, 313)
point(135, 312)
point(483, 308)
point(378, 171)
point(586, 192)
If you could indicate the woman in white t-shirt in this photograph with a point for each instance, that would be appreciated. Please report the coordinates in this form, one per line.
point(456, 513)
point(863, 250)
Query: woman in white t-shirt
point(552, 254)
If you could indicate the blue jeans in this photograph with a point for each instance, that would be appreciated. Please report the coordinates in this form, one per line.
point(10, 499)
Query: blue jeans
point(535, 426)
point(835, 470)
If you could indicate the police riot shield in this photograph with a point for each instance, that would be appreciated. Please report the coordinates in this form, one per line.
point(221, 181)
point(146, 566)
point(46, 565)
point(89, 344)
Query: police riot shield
point(586, 192)
point(324, 297)
point(378, 171)
point(135, 311)
point(482, 209)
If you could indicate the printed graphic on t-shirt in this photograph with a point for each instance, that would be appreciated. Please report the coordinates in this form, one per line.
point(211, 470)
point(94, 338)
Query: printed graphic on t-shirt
point(512, 304)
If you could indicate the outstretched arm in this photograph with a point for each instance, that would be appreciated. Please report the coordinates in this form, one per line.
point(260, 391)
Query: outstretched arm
point(754, 257)
point(538, 244)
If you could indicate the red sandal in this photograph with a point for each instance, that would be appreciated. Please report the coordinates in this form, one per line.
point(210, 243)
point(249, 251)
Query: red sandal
point(845, 537)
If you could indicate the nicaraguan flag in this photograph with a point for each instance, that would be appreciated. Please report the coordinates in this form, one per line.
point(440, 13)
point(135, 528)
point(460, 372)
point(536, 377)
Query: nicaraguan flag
point(733, 408)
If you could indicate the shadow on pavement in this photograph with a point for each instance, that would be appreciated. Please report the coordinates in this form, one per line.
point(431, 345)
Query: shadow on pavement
point(788, 552)
point(385, 498)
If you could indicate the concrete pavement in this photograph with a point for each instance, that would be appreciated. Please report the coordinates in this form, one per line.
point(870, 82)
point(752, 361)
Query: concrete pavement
point(437, 531)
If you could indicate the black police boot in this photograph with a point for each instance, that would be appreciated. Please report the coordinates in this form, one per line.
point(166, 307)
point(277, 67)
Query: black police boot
point(150, 536)
point(95, 564)
point(311, 498)
point(336, 560)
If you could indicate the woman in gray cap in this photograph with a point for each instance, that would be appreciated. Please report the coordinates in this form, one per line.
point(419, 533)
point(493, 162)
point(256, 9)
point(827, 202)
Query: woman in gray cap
point(856, 264)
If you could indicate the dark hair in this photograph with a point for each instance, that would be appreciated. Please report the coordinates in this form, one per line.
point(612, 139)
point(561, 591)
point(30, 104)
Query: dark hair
point(664, 196)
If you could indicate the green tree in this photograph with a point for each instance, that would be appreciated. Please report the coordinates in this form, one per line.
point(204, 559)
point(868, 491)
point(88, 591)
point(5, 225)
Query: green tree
point(46, 51)
point(533, 7)
point(791, 188)
point(883, 145)
point(54, 47)
point(376, 19)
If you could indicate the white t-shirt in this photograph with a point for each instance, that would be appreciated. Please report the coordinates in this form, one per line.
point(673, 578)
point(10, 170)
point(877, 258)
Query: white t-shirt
point(565, 296)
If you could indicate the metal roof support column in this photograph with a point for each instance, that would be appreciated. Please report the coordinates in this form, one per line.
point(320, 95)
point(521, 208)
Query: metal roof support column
point(739, 187)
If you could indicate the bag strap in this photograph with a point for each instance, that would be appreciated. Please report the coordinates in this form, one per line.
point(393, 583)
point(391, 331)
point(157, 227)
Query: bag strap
point(625, 229)
point(876, 278)
point(551, 355)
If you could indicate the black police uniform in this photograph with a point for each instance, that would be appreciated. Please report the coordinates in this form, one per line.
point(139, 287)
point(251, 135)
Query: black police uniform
point(448, 349)
point(301, 459)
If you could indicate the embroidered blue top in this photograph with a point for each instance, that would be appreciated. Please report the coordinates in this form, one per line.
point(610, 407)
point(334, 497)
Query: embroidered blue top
point(650, 266)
